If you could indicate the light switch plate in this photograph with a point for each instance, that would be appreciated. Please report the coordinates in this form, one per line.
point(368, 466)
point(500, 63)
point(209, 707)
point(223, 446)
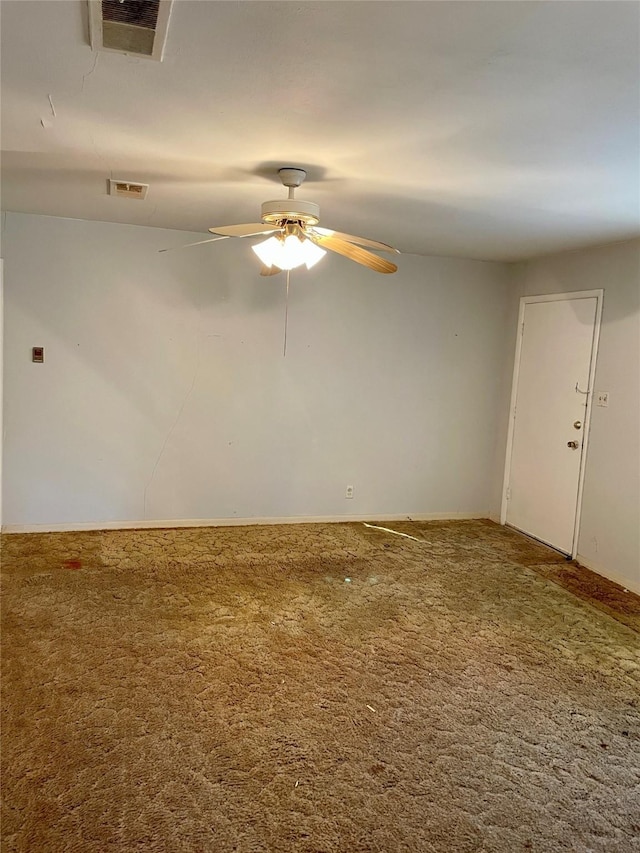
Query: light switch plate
point(602, 398)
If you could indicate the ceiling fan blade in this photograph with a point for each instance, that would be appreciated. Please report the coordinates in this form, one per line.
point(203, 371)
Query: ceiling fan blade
point(270, 270)
point(250, 229)
point(354, 253)
point(199, 243)
point(351, 238)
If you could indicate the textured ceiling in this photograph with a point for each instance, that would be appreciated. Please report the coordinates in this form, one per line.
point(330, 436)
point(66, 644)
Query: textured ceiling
point(495, 130)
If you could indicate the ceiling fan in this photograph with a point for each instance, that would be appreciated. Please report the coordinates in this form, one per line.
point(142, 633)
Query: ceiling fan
point(295, 237)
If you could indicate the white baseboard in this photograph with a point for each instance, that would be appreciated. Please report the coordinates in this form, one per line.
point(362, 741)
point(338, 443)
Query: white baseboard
point(233, 522)
point(626, 583)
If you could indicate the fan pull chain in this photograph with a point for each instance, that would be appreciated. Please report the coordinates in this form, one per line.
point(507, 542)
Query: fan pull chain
point(286, 316)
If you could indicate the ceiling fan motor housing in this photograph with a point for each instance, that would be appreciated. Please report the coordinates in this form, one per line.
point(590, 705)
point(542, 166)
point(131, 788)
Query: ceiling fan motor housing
point(290, 209)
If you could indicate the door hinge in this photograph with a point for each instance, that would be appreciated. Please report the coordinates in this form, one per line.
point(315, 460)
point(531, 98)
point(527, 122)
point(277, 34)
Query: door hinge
point(508, 494)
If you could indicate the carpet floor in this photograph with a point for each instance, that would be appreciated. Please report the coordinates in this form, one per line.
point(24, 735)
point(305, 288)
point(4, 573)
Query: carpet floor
point(314, 688)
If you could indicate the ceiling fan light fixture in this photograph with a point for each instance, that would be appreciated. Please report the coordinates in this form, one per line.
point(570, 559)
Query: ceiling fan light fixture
point(289, 253)
point(292, 253)
point(268, 251)
point(313, 254)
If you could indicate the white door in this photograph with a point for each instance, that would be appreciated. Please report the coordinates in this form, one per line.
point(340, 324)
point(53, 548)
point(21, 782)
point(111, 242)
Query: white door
point(550, 408)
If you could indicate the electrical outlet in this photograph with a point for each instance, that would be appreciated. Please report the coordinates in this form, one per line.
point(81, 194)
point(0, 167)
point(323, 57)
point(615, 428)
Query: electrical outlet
point(349, 492)
point(602, 398)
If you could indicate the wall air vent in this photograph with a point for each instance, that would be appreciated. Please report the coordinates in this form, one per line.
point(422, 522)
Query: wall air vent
point(137, 27)
point(128, 189)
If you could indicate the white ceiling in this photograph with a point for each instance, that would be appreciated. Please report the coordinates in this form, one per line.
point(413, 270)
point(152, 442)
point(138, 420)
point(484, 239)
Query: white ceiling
point(495, 130)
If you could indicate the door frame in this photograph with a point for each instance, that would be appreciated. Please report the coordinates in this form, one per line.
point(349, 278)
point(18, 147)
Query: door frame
point(554, 297)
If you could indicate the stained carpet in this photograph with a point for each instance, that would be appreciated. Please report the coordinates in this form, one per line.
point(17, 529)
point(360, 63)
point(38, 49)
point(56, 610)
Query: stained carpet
point(313, 688)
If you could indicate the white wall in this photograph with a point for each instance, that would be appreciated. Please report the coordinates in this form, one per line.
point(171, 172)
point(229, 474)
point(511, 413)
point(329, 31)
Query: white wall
point(1, 375)
point(609, 538)
point(165, 396)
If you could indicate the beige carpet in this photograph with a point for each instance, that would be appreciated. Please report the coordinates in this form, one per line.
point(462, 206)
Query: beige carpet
point(312, 688)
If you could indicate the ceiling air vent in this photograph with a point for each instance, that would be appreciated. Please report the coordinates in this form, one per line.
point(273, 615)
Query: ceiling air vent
point(138, 27)
point(128, 189)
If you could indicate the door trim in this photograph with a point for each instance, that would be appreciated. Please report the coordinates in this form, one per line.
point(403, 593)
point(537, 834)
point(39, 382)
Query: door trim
point(554, 297)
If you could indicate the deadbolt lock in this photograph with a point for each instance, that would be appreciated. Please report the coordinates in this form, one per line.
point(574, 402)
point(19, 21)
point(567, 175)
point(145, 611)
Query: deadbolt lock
point(577, 424)
point(573, 445)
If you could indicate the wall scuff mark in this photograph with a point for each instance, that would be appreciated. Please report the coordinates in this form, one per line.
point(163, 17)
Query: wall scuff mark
point(89, 73)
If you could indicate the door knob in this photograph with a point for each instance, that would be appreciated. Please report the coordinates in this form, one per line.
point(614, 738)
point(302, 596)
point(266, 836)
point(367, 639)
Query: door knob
point(577, 424)
point(573, 445)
